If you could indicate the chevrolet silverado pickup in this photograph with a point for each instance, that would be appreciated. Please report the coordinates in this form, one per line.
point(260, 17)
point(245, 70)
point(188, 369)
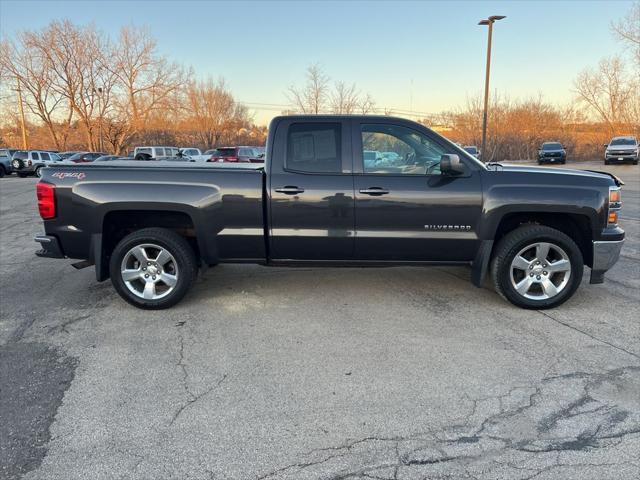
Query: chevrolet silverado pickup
point(151, 226)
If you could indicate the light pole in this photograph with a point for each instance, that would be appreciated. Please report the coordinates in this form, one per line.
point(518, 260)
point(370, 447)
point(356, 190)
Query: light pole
point(489, 21)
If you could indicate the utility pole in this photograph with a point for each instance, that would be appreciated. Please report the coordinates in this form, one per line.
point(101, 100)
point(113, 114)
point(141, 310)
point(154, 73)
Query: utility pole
point(489, 21)
point(22, 122)
point(100, 145)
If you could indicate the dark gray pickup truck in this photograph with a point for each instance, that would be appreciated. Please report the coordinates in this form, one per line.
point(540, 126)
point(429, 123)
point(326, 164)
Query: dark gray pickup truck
point(418, 199)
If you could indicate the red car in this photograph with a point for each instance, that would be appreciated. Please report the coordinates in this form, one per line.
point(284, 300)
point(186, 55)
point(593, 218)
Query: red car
point(235, 154)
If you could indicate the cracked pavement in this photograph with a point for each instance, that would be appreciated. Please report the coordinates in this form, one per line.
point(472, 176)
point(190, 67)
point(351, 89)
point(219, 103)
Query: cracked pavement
point(275, 373)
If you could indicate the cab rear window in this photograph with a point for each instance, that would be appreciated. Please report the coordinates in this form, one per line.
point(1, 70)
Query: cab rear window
point(314, 148)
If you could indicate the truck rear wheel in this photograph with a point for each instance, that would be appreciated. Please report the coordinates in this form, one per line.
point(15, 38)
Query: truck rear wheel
point(537, 267)
point(153, 268)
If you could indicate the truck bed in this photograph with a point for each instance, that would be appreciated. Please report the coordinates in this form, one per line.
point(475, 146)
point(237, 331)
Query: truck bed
point(221, 205)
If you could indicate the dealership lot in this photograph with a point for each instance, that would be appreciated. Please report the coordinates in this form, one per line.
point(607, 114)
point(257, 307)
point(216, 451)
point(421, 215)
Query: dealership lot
point(314, 373)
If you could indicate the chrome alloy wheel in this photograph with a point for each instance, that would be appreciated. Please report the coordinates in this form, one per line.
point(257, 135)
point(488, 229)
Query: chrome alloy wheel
point(149, 271)
point(540, 271)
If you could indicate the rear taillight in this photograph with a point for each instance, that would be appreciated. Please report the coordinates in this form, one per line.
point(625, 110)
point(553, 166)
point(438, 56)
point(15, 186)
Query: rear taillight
point(46, 200)
point(230, 159)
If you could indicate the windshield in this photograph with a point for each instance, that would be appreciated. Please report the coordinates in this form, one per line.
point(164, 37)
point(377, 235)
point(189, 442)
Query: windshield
point(623, 141)
point(551, 146)
point(472, 150)
point(76, 156)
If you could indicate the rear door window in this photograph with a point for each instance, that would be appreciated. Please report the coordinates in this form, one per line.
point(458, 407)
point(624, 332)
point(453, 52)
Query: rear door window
point(35, 156)
point(44, 156)
point(314, 148)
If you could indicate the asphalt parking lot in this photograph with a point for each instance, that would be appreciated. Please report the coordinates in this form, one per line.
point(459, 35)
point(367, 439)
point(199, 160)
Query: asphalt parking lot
point(276, 373)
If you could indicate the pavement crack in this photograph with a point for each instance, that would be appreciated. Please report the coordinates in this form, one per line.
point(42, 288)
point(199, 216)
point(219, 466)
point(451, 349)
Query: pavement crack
point(617, 347)
point(63, 326)
point(191, 397)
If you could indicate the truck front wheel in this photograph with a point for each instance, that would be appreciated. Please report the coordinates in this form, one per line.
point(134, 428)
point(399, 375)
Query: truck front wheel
point(153, 268)
point(536, 267)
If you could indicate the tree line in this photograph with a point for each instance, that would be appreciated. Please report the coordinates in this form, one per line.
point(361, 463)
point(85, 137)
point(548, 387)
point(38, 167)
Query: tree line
point(83, 89)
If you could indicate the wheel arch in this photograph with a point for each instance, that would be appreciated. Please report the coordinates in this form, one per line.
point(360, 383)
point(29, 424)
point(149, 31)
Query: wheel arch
point(117, 224)
point(577, 226)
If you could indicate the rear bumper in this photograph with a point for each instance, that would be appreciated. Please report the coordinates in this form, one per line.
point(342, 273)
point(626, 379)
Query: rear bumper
point(605, 255)
point(50, 247)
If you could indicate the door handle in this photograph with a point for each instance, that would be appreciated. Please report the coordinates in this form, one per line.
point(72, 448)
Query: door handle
point(374, 191)
point(290, 190)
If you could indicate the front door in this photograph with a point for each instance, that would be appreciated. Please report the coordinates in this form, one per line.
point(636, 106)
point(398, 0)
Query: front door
point(311, 203)
point(406, 210)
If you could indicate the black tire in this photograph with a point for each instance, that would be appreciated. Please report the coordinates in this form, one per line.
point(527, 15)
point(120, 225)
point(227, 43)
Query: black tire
point(606, 162)
point(512, 243)
point(2, 171)
point(175, 245)
point(37, 172)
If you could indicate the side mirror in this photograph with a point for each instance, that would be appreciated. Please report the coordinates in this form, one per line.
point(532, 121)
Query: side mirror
point(450, 164)
point(606, 145)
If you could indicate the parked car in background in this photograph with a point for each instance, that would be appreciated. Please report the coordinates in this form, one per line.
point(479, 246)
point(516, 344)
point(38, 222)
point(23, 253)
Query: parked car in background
point(31, 162)
point(372, 158)
point(473, 150)
point(5, 161)
point(155, 152)
point(622, 149)
point(65, 155)
point(234, 154)
point(194, 154)
point(84, 157)
point(552, 152)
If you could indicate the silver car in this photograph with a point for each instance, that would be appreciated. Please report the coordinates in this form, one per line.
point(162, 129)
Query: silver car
point(31, 162)
point(622, 149)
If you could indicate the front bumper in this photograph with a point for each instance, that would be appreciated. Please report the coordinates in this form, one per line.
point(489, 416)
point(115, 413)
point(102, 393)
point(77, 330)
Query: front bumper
point(622, 156)
point(605, 255)
point(50, 246)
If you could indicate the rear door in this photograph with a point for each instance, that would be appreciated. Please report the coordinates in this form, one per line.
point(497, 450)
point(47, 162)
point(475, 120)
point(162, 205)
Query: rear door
point(406, 210)
point(310, 188)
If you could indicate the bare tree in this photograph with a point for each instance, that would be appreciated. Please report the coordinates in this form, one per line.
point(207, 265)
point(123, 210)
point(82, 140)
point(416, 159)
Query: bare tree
point(212, 111)
point(344, 99)
point(606, 91)
point(628, 31)
point(366, 104)
point(146, 82)
point(26, 67)
point(313, 97)
point(75, 57)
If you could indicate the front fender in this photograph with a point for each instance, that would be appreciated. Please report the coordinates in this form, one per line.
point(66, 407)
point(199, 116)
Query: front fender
point(503, 200)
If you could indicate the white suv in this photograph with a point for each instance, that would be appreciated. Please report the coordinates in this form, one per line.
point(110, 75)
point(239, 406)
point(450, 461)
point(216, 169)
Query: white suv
point(155, 153)
point(622, 149)
point(30, 162)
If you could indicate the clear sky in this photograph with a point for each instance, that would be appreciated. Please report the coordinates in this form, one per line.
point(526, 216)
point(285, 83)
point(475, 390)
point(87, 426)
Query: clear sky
point(261, 48)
